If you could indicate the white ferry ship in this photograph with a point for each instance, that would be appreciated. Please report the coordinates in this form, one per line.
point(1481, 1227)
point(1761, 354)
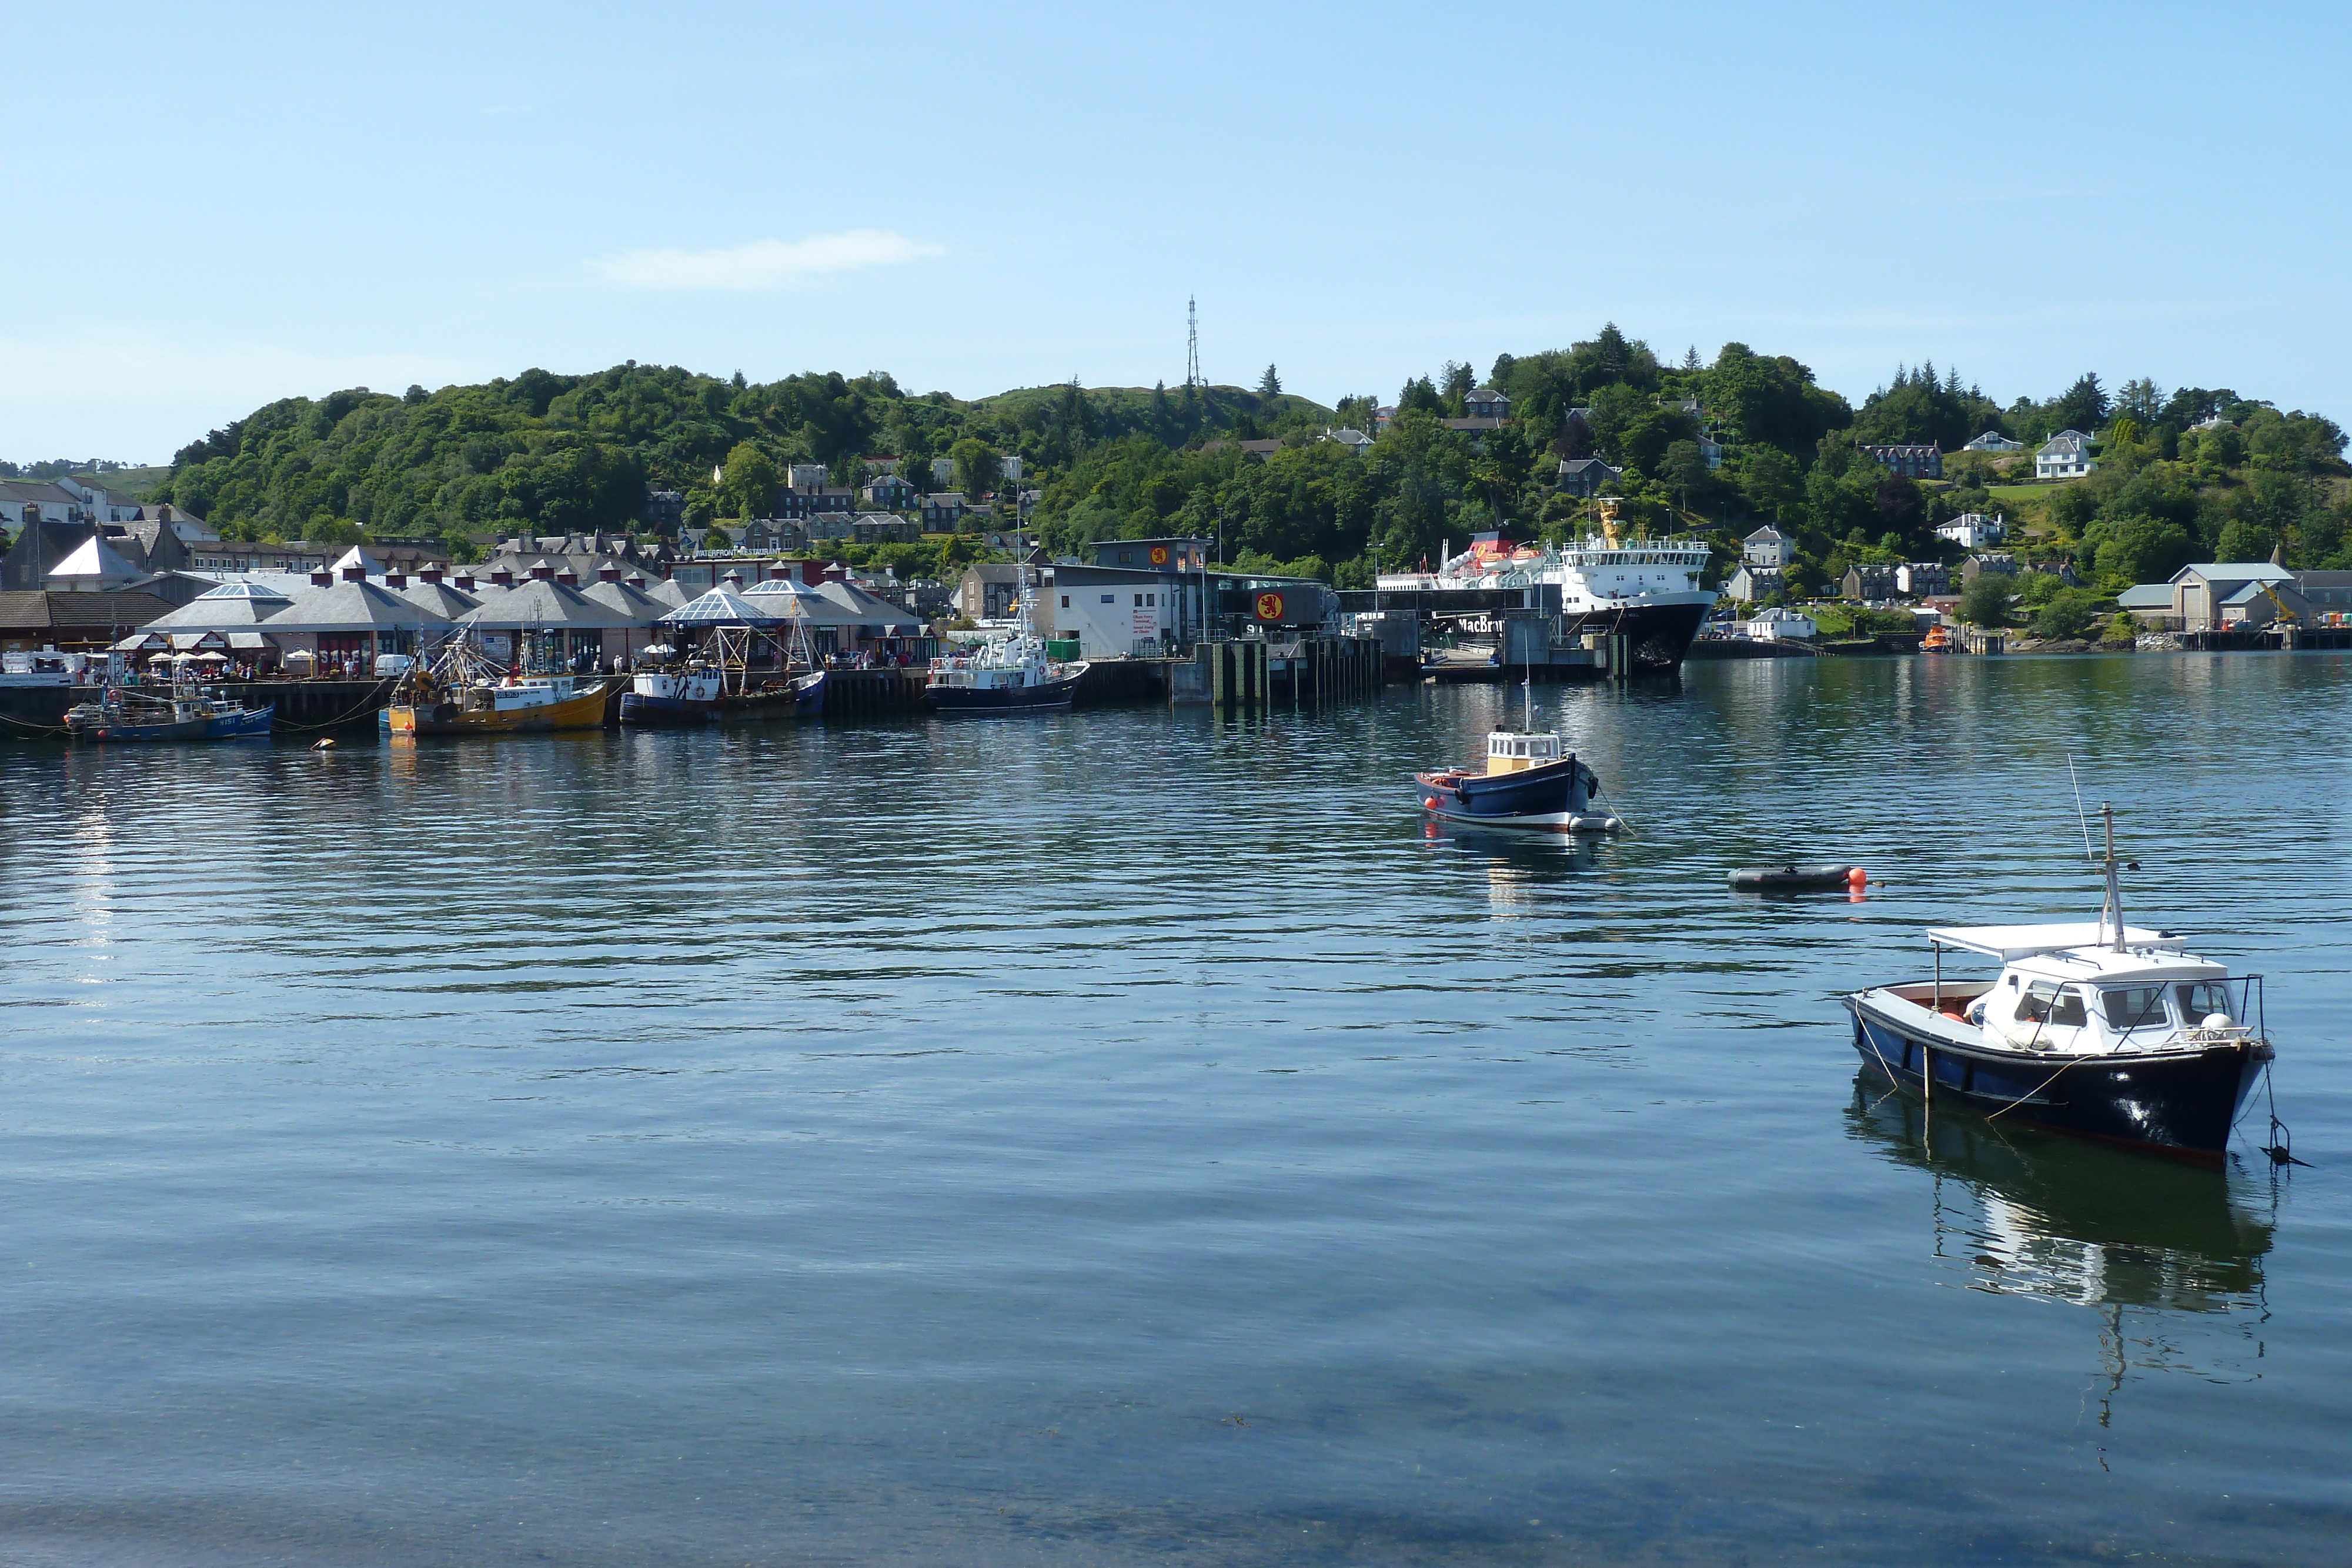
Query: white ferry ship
point(1646, 589)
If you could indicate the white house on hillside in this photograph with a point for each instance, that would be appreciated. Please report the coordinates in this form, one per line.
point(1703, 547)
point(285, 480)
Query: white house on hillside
point(2066, 455)
point(1972, 531)
point(1779, 625)
point(1993, 441)
point(1767, 546)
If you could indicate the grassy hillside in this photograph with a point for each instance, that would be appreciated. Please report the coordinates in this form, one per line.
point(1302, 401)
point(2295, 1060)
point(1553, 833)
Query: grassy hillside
point(131, 484)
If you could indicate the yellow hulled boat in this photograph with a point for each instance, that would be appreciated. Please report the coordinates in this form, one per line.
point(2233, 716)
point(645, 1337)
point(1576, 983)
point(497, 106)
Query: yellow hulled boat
point(461, 694)
point(547, 702)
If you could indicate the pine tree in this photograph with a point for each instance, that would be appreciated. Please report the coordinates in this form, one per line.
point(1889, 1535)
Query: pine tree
point(1269, 384)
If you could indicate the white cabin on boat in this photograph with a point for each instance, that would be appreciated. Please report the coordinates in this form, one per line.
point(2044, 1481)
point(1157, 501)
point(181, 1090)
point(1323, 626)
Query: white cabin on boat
point(2069, 990)
point(1508, 751)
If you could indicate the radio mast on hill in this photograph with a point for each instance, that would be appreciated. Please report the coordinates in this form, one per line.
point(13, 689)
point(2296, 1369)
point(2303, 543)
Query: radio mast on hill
point(1193, 344)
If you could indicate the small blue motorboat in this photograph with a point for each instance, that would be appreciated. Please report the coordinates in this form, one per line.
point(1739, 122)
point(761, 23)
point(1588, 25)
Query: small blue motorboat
point(185, 713)
point(1527, 782)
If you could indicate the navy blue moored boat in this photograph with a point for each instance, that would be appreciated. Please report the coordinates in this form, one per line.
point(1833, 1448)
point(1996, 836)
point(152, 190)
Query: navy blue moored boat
point(2106, 1032)
point(1527, 783)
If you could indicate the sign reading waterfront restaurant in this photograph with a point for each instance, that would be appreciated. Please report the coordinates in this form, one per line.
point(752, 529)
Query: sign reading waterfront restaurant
point(1269, 607)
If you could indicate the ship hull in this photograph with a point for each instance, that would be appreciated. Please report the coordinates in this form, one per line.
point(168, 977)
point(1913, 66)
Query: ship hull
point(253, 724)
point(803, 699)
point(1056, 693)
point(1542, 800)
point(1658, 633)
point(583, 711)
point(2180, 1105)
point(1004, 699)
point(639, 711)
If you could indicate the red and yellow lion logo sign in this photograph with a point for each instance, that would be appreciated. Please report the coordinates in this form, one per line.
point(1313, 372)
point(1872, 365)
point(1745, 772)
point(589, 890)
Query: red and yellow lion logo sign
point(1160, 555)
point(1269, 607)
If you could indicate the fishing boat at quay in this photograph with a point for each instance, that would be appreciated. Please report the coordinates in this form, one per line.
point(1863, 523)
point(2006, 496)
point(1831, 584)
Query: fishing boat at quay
point(701, 693)
point(1007, 674)
point(460, 692)
point(717, 684)
point(180, 712)
point(2098, 1030)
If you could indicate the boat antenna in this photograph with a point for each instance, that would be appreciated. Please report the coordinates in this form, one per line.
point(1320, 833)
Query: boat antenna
point(2114, 887)
point(2088, 853)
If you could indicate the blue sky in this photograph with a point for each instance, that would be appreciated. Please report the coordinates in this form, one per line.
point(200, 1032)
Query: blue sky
point(211, 211)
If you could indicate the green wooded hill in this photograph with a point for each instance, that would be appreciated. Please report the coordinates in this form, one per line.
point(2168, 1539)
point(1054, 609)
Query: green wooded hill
point(2192, 473)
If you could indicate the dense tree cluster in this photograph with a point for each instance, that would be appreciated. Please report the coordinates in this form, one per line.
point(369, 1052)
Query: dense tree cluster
point(1716, 448)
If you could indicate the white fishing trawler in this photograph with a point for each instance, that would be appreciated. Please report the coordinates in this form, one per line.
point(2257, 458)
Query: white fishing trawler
point(1008, 673)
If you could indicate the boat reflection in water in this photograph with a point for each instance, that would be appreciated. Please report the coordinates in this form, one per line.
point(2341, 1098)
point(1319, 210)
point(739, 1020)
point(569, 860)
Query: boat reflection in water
point(1516, 864)
point(2166, 1255)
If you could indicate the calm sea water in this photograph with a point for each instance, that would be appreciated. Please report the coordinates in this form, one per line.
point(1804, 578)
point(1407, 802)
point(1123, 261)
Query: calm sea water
point(1126, 1135)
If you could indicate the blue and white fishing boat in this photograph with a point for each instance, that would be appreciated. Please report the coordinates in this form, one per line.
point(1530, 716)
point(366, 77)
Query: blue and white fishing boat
point(181, 713)
point(1529, 780)
point(2099, 1029)
point(1006, 674)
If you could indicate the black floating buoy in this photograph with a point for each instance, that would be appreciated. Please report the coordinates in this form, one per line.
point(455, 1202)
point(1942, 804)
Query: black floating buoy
point(1793, 878)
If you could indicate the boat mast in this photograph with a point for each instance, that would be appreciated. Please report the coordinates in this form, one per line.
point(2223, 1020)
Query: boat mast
point(2114, 887)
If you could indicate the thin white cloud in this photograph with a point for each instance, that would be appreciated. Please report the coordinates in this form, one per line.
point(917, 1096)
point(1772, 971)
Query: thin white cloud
point(762, 264)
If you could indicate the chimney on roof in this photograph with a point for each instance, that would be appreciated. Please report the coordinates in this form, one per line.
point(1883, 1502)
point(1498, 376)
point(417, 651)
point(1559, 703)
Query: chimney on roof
point(465, 581)
point(542, 572)
point(503, 576)
point(429, 573)
point(636, 580)
point(569, 578)
point(608, 574)
point(395, 581)
point(322, 578)
point(355, 573)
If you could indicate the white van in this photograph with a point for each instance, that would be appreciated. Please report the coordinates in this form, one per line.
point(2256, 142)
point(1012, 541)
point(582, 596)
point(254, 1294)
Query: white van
point(389, 664)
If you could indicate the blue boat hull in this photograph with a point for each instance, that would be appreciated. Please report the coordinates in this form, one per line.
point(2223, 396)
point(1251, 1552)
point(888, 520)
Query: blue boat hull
point(253, 724)
point(1554, 798)
point(2180, 1104)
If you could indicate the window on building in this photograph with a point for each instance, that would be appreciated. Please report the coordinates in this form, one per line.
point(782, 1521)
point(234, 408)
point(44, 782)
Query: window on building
point(1066, 602)
point(1110, 599)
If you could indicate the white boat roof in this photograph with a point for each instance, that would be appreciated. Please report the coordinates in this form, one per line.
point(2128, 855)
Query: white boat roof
point(2010, 943)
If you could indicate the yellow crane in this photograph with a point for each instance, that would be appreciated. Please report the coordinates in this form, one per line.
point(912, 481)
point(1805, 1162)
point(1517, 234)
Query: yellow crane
point(2286, 617)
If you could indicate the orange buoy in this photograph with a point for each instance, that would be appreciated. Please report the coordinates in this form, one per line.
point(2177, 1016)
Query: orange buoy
point(1430, 802)
point(1856, 878)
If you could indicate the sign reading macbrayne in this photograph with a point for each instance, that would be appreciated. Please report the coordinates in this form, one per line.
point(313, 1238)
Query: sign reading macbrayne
point(1269, 607)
